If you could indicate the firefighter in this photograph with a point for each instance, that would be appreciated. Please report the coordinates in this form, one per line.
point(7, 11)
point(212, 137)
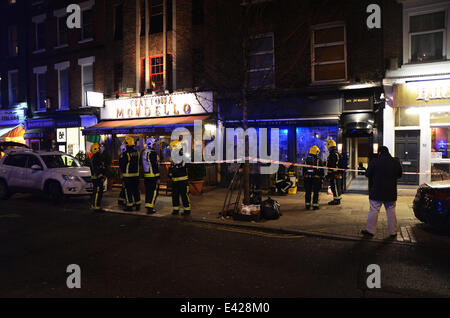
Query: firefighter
point(98, 169)
point(129, 166)
point(282, 181)
point(313, 178)
point(122, 200)
point(179, 177)
point(150, 163)
point(334, 176)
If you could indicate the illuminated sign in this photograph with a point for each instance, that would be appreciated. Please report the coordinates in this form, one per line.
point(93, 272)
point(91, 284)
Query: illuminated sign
point(158, 106)
point(426, 93)
point(11, 117)
point(94, 99)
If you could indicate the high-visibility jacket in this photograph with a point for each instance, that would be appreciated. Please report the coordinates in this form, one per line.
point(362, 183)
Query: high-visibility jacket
point(98, 166)
point(129, 163)
point(150, 163)
point(334, 161)
point(178, 172)
point(308, 172)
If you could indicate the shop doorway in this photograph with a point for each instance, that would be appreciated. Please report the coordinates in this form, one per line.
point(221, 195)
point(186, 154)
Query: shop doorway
point(407, 150)
point(360, 151)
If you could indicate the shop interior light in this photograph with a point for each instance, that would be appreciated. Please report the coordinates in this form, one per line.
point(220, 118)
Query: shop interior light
point(432, 109)
point(210, 128)
point(339, 148)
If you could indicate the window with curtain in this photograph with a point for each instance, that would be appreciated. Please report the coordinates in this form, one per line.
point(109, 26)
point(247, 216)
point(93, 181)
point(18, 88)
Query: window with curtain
point(427, 36)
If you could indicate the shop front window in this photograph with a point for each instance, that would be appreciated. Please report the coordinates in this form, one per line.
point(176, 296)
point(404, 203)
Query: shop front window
point(440, 172)
point(316, 135)
point(403, 117)
point(440, 143)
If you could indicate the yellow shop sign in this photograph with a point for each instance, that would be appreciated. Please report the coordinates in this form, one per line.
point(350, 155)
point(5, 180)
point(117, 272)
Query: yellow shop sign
point(426, 93)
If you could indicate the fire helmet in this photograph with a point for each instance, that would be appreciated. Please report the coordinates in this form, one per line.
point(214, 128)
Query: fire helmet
point(331, 143)
point(314, 150)
point(129, 141)
point(150, 142)
point(123, 148)
point(176, 144)
point(95, 148)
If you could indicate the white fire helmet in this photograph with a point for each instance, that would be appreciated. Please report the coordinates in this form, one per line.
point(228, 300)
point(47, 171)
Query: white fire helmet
point(123, 148)
point(150, 142)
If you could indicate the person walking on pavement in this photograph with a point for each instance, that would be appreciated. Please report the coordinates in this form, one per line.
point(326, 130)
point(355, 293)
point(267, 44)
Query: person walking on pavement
point(383, 173)
point(334, 176)
point(313, 178)
point(129, 166)
point(122, 201)
point(98, 170)
point(179, 177)
point(150, 163)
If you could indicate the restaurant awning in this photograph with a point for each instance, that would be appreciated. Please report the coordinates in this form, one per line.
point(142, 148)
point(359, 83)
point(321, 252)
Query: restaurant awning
point(138, 126)
point(12, 132)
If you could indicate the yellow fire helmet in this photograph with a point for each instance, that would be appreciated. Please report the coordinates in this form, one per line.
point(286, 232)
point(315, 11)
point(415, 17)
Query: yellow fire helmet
point(95, 148)
point(176, 144)
point(331, 143)
point(314, 150)
point(129, 141)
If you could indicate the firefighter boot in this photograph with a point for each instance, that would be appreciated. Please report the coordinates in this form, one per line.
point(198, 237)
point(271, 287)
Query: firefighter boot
point(334, 202)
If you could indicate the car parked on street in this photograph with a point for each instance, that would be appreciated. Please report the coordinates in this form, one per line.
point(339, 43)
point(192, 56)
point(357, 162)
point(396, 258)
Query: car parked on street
point(432, 205)
point(54, 173)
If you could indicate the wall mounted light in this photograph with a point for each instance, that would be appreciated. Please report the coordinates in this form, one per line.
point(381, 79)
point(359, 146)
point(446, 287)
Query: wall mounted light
point(375, 148)
point(339, 148)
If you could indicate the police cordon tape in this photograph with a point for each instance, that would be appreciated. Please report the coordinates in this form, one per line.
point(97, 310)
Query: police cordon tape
point(285, 163)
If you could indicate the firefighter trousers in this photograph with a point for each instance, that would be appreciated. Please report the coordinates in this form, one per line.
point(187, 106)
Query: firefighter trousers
point(97, 194)
point(336, 186)
point(132, 194)
point(312, 186)
point(180, 188)
point(151, 192)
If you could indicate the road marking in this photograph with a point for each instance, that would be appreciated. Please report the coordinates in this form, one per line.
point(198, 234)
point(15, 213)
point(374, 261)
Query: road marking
point(10, 216)
point(249, 232)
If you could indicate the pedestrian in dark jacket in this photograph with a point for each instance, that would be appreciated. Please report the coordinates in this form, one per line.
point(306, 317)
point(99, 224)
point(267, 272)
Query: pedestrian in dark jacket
point(383, 173)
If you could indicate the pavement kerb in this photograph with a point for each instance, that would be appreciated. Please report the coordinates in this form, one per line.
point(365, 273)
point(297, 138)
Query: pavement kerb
point(277, 230)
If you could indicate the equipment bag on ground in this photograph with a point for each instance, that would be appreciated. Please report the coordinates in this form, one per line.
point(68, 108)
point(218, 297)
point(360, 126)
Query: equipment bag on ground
point(270, 209)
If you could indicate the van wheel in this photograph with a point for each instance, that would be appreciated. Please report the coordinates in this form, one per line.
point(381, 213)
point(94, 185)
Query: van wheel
point(55, 193)
point(4, 192)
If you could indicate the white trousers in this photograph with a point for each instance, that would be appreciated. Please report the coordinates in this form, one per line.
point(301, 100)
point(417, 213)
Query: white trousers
point(372, 218)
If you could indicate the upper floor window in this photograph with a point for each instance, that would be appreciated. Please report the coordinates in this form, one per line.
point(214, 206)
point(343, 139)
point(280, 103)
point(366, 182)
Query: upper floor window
point(427, 34)
point(198, 13)
point(157, 16)
point(329, 55)
point(87, 77)
point(13, 87)
point(61, 30)
point(41, 87)
point(87, 20)
point(156, 76)
point(12, 1)
point(39, 32)
point(261, 61)
point(63, 84)
point(118, 22)
point(13, 41)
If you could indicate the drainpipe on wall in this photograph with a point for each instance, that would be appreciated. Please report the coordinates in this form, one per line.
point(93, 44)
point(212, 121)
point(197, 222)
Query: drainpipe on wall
point(138, 45)
point(165, 44)
point(147, 61)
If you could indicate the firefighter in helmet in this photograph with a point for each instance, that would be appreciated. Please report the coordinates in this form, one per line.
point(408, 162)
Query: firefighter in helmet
point(129, 167)
point(122, 201)
point(179, 177)
point(313, 178)
point(334, 176)
point(150, 164)
point(98, 170)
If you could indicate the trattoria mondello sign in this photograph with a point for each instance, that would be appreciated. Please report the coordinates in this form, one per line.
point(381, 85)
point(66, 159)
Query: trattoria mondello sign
point(158, 106)
point(423, 93)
